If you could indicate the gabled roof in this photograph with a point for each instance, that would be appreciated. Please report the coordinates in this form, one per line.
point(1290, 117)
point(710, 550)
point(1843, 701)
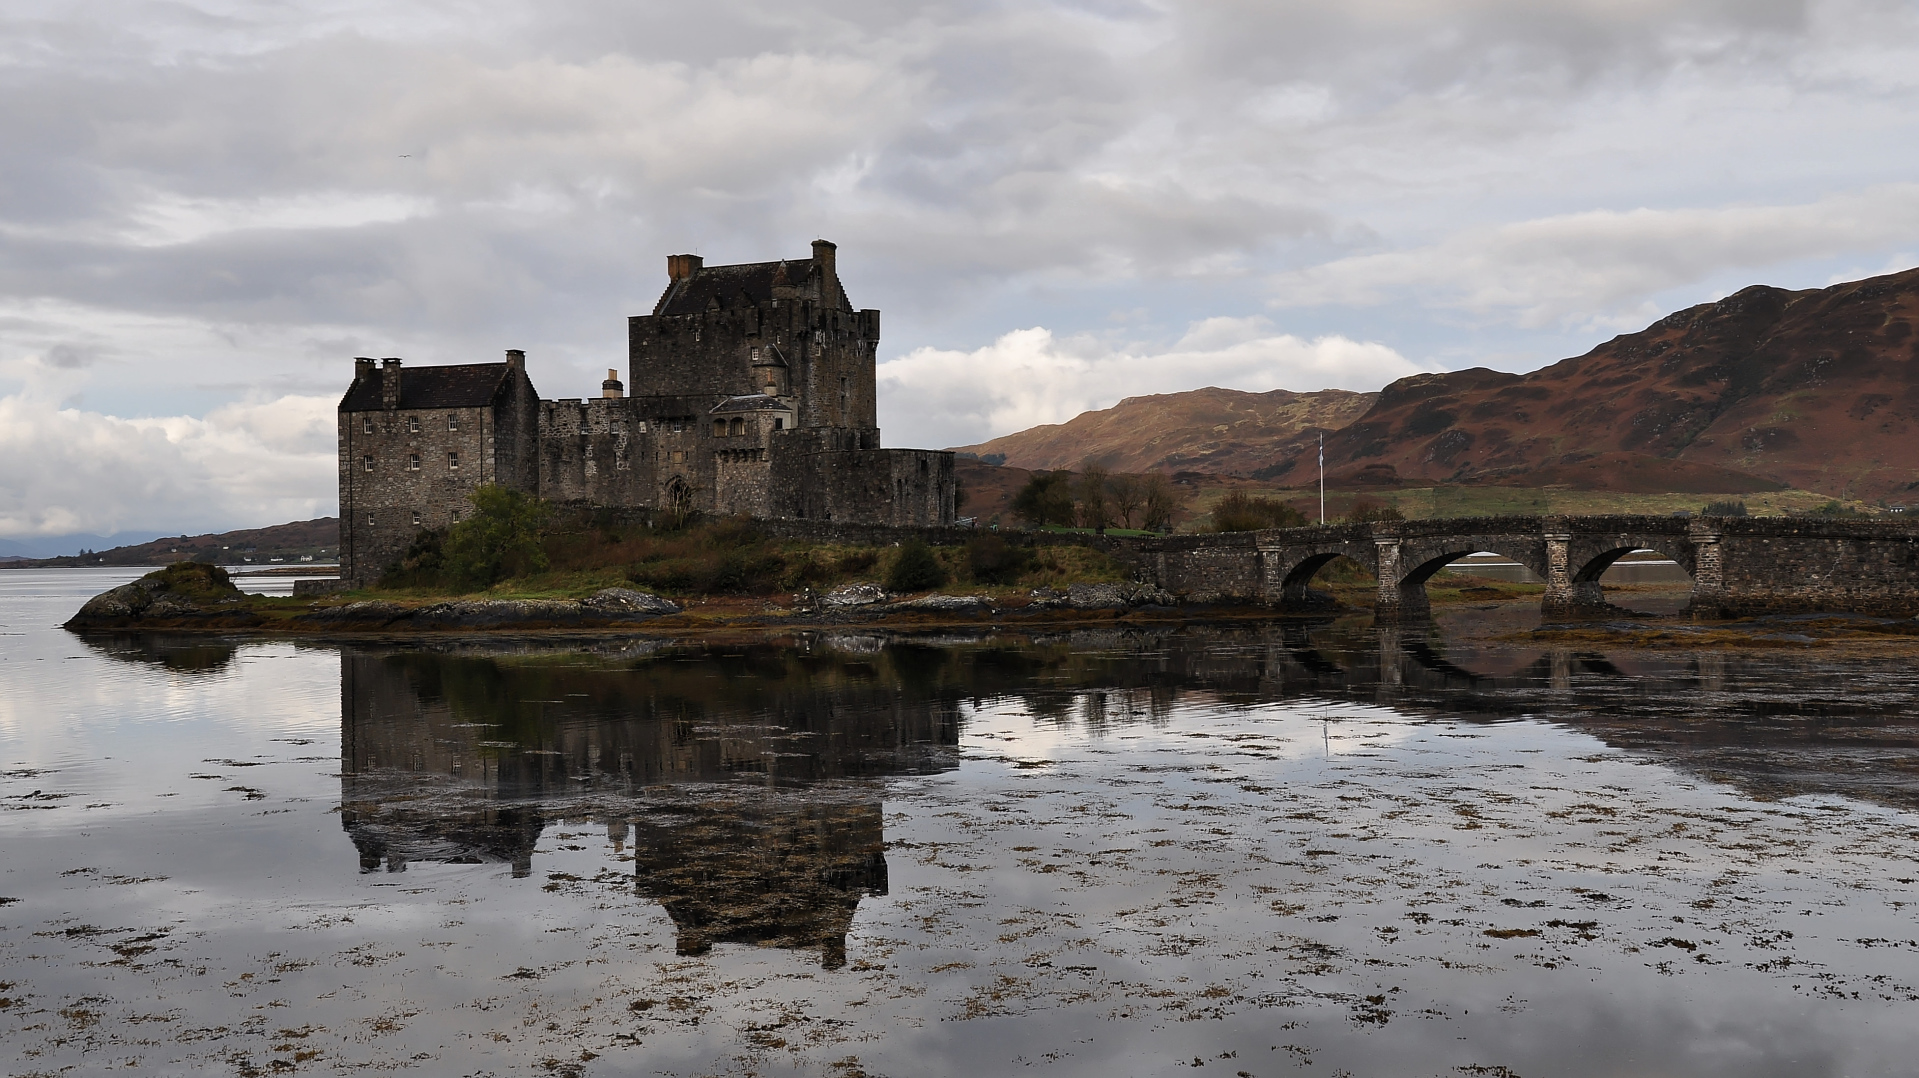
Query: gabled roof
point(463, 385)
point(752, 402)
point(732, 286)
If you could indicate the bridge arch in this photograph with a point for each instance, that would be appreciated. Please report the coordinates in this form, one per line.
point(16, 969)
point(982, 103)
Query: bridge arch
point(1420, 558)
point(1297, 573)
point(1590, 555)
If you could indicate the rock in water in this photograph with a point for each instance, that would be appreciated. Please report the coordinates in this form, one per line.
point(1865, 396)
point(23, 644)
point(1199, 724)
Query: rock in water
point(182, 594)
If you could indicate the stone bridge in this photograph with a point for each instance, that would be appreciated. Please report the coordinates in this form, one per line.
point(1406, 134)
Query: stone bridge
point(1740, 566)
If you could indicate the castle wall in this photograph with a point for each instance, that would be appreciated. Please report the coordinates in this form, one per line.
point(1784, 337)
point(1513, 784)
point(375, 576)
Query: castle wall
point(385, 499)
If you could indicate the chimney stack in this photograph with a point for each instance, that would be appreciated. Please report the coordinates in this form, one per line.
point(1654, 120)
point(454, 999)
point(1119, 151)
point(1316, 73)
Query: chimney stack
point(390, 383)
point(611, 389)
point(681, 267)
point(516, 359)
point(829, 274)
point(362, 367)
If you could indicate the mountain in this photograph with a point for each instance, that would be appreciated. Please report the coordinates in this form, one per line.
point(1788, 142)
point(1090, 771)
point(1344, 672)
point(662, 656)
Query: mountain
point(1205, 430)
point(319, 537)
point(1815, 389)
point(1769, 388)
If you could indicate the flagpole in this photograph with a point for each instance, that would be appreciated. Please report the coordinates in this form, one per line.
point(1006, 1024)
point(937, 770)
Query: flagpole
point(1322, 480)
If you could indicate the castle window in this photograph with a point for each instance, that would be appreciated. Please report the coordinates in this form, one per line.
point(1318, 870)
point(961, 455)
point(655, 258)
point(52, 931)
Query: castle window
point(737, 427)
point(456, 516)
point(416, 516)
point(366, 425)
point(453, 422)
point(413, 424)
point(369, 463)
point(719, 428)
point(369, 520)
point(779, 424)
point(756, 355)
point(640, 427)
point(413, 462)
point(453, 461)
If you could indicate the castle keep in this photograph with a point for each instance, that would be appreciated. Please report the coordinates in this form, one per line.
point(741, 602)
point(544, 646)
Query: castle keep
point(752, 393)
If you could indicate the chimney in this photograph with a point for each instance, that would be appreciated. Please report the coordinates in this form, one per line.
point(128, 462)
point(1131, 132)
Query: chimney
point(681, 267)
point(611, 389)
point(362, 367)
point(390, 383)
point(829, 275)
point(516, 359)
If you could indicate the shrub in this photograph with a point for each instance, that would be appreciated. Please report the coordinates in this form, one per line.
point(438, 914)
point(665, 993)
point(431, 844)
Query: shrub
point(1727, 508)
point(915, 569)
point(1365, 511)
point(1239, 511)
point(1047, 498)
point(992, 560)
point(500, 540)
point(1835, 509)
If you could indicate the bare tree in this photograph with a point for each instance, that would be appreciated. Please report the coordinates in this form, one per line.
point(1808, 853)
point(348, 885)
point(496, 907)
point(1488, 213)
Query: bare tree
point(1095, 509)
point(1159, 501)
point(1127, 497)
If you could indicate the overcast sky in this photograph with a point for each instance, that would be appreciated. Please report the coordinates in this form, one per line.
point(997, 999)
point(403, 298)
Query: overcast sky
point(207, 209)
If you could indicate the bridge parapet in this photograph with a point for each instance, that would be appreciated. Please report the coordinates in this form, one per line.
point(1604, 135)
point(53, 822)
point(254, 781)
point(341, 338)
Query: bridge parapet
point(1739, 566)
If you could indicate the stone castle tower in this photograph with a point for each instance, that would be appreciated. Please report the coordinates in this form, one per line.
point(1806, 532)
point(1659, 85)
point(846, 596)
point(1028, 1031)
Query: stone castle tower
point(752, 393)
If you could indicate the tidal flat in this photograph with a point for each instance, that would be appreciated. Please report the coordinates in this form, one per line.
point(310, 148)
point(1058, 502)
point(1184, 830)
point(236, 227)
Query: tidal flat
point(1294, 848)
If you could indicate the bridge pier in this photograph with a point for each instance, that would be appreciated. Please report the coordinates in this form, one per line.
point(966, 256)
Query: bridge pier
point(1398, 601)
point(1567, 598)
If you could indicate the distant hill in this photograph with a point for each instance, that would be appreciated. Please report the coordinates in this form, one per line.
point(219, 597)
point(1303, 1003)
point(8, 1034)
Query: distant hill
point(1815, 389)
point(287, 542)
point(1223, 431)
point(1767, 389)
point(52, 546)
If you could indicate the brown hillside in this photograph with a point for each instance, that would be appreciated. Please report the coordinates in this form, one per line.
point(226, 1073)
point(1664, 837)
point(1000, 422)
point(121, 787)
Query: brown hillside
point(1817, 389)
point(1223, 431)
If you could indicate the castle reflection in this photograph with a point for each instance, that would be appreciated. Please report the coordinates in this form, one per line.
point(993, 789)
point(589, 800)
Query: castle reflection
point(749, 778)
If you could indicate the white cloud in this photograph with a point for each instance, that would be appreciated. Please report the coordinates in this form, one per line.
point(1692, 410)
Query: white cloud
point(1582, 264)
point(1029, 376)
point(63, 470)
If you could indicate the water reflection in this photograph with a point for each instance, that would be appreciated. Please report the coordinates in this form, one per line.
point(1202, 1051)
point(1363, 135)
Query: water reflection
point(745, 775)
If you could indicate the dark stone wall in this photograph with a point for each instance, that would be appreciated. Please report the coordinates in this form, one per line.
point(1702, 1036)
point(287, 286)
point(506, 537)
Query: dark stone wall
point(1768, 565)
point(387, 496)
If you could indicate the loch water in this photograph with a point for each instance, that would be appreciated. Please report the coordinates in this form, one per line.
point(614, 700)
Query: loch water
point(1286, 849)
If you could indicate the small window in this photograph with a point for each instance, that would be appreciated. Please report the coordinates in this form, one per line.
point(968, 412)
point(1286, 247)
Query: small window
point(369, 520)
point(453, 461)
point(778, 423)
point(640, 427)
point(456, 516)
point(413, 462)
point(756, 355)
point(366, 425)
point(368, 462)
point(453, 422)
point(737, 427)
point(413, 423)
point(416, 516)
point(719, 428)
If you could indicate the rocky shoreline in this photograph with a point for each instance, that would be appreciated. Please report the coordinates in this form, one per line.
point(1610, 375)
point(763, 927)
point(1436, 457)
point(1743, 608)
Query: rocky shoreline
point(198, 597)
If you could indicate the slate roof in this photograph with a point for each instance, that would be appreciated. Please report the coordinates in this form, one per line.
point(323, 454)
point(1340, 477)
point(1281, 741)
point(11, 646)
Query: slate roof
point(752, 402)
point(752, 280)
point(464, 385)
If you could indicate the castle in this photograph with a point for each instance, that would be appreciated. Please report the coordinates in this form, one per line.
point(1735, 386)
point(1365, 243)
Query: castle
point(752, 394)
